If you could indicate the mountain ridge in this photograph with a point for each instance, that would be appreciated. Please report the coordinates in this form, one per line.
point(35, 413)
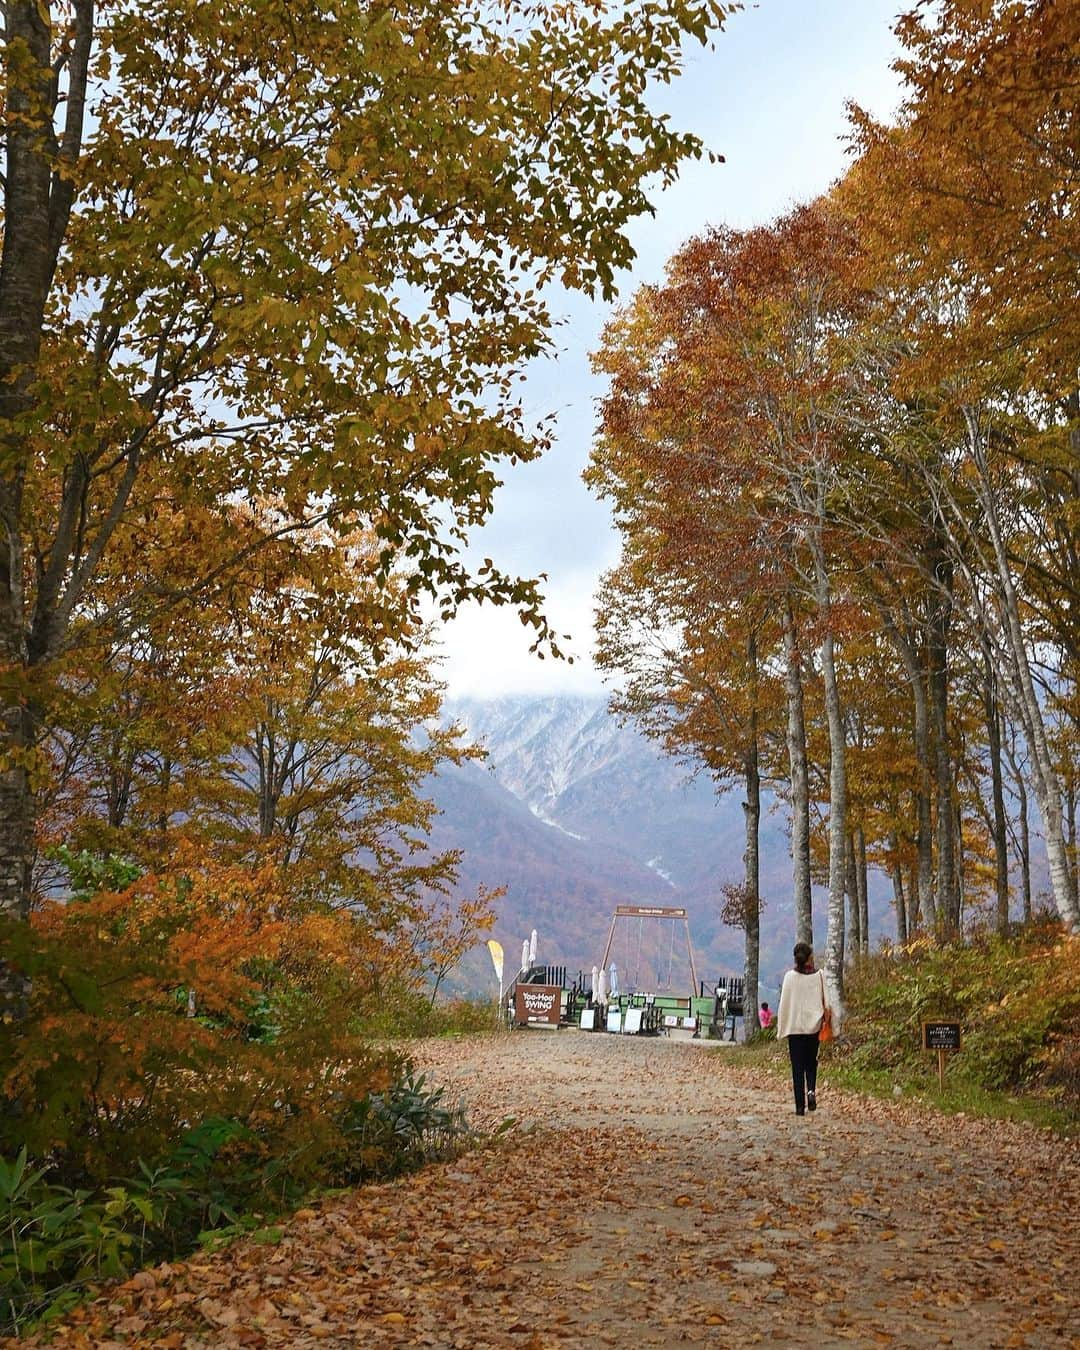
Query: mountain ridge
point(575, 813)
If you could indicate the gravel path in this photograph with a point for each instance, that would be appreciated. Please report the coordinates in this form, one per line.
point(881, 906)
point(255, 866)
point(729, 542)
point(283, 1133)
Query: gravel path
point(868, 1222)
point(664, 1199)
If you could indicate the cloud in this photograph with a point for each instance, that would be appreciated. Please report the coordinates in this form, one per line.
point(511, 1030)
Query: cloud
point(486, 653)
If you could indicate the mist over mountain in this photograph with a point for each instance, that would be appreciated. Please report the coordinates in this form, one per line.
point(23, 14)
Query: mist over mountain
point(574, 814)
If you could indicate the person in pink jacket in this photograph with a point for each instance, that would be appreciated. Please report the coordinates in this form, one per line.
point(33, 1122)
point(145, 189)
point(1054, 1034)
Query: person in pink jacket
point(799, 1017)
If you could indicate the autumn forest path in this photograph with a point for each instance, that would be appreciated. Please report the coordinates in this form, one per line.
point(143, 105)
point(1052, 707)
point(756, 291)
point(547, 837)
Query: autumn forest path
point(667, 1200)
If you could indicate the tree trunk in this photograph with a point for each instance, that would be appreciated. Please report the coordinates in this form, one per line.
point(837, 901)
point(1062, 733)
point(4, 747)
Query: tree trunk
point(17, 821)
point(1001, 848)
point(800, 782)
point(913, 903)
point(1025, 857)
point(17, 816)
point(1070, 834)
point(164, 786)
point(851, 886)
point(1046, 783)
point(24, 282)
point(897, 876)
point(961, 874)
point(38, 194)
point(948, 897)
point(1025, 843)
point(834, 939)
point(923, 892)
point(751, 858)
point(862, 890)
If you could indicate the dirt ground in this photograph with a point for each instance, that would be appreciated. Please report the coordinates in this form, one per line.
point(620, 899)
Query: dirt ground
point(664, 1199)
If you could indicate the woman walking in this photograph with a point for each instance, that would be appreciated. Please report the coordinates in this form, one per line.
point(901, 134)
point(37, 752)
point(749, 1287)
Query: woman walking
point(803, 1008)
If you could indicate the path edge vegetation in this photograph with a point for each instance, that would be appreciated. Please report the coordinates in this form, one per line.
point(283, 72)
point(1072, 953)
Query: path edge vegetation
point(60, 1243)
point(1018, 1001)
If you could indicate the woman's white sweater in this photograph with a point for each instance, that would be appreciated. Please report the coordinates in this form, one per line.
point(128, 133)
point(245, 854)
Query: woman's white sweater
point(802, 1004)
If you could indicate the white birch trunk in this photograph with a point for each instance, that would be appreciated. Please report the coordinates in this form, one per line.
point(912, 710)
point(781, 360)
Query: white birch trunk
point(800, 789)
point(834, 935)
point(1045, 782)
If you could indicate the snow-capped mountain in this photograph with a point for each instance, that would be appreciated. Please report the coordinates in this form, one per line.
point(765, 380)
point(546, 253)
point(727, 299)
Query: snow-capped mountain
point(540, 747)
point(575, 813)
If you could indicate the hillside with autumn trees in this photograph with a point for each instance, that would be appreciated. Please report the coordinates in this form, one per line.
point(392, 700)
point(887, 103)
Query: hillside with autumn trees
point(843, 450)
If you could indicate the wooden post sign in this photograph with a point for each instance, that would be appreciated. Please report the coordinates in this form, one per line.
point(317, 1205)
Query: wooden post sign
point(537, 1003)
point(941, 1036)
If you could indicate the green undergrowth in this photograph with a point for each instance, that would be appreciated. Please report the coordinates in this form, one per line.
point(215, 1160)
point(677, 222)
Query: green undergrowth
point(1017, 1000)
point(412, 1016)
point(59, 1238)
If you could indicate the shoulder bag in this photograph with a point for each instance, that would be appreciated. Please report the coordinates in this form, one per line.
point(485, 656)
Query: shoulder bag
point(826, 1032)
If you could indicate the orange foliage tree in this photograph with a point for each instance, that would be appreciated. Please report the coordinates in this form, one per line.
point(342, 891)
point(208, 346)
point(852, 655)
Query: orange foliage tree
point(719, 448)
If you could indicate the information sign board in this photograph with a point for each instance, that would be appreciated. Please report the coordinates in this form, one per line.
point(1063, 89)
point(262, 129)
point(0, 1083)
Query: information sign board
point(941, 1035)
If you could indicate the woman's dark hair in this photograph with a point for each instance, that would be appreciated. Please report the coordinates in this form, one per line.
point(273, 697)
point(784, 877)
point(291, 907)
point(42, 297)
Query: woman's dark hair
point(803, 953)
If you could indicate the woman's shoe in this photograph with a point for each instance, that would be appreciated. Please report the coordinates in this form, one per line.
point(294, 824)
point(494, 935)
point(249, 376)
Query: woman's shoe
point(811, 1101)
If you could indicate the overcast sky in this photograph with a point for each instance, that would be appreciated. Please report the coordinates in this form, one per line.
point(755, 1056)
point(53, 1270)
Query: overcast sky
point(770, 97)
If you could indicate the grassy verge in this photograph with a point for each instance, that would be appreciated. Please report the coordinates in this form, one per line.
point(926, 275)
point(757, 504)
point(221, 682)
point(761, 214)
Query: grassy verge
point(1018, 1001)
point(413, 1016)
point(959, 1095)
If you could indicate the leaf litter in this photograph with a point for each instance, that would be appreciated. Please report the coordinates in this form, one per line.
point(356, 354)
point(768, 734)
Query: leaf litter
point(653, 1196)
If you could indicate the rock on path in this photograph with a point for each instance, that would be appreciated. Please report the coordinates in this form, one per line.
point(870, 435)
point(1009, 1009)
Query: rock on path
point(664, 1199)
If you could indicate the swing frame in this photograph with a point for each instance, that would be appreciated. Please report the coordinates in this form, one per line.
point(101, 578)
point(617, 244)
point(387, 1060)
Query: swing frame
point(652, 912)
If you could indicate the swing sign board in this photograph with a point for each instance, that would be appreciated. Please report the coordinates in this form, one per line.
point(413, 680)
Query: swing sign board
point(941, 1035)
point(537, 1003)
point(648, 912)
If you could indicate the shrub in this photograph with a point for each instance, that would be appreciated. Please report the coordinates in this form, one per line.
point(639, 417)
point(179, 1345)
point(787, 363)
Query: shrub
point(467, 1016)
point(395, 1131)
point(1018, 999)
point(408, 1012)
point(54, 1239)
point(219, 1180)
point(109, 1067)
point(192, 1058)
